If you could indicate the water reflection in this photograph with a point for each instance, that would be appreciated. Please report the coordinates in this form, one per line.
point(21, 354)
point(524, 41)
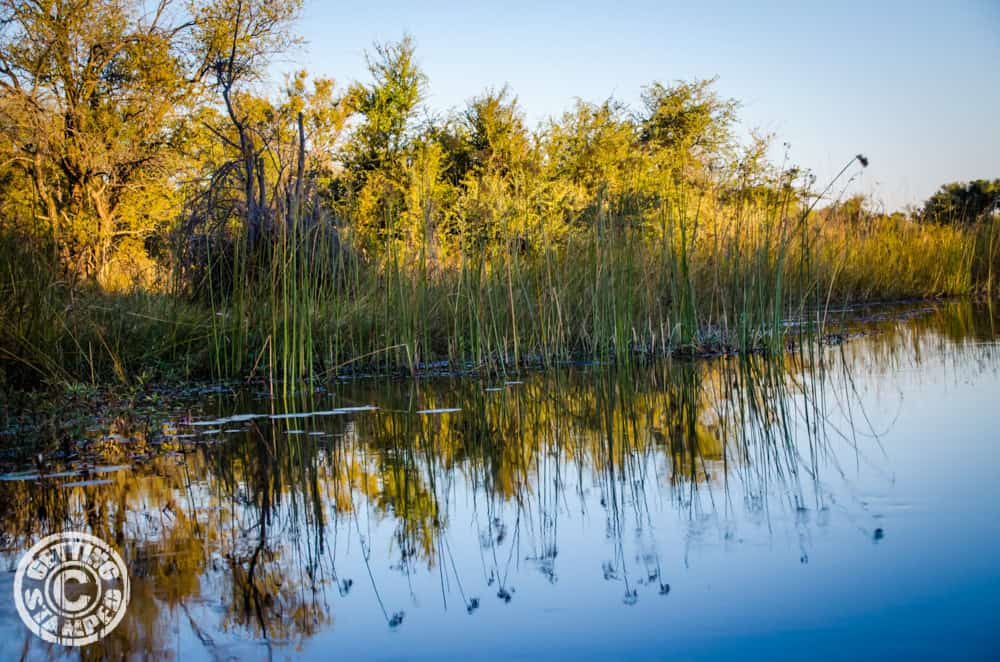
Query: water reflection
point(252, 527)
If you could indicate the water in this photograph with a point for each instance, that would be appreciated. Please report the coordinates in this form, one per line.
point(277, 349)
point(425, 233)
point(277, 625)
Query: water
point(840, 503)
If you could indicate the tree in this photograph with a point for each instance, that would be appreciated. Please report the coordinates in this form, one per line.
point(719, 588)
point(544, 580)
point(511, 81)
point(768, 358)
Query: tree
point(963, 202)
point(687, 119)
point(592, 146)
point(387, 105)
point(90, 91)
point(218, 190)
point(495, 130)
point(374, 154)
point(592, 152)
point(237, 39)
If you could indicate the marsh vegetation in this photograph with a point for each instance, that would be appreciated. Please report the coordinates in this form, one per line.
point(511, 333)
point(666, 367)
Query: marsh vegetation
point(166, 212)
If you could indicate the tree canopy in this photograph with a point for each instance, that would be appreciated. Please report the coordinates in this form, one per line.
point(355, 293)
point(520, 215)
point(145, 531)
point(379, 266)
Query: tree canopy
point(128, 125)
point(964, 202)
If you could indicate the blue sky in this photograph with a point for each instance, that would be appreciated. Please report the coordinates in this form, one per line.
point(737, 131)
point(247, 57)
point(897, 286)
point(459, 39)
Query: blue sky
point(914, 86)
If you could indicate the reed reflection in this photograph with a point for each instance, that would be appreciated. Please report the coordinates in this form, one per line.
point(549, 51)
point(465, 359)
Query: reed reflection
point(251, 522)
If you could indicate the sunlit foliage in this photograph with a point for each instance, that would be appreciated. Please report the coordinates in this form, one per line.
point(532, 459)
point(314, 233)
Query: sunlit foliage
point(148, 170)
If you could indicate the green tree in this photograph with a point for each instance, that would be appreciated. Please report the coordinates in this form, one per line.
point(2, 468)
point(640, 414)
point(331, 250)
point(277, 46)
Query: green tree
point(492, 161)
point(387, 106)
point(963, 202)
point(91, 92)
point(497, 137)
point(688, 119)
point(375, 153)
point(591, 153)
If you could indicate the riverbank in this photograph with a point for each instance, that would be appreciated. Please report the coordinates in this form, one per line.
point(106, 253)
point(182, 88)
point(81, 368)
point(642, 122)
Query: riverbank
point(712, 286)
point(59, 427)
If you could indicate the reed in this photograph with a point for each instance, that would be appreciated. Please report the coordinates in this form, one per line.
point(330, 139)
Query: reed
point(691, 276)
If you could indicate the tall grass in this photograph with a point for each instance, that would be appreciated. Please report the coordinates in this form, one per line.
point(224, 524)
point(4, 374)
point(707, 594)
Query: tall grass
point(693, 276)
point(55, 331)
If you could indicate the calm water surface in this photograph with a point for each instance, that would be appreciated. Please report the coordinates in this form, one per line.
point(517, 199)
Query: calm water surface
point(841, 504)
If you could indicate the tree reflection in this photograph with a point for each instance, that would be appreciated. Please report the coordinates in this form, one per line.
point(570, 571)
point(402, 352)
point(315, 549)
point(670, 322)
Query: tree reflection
point(236, 528)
